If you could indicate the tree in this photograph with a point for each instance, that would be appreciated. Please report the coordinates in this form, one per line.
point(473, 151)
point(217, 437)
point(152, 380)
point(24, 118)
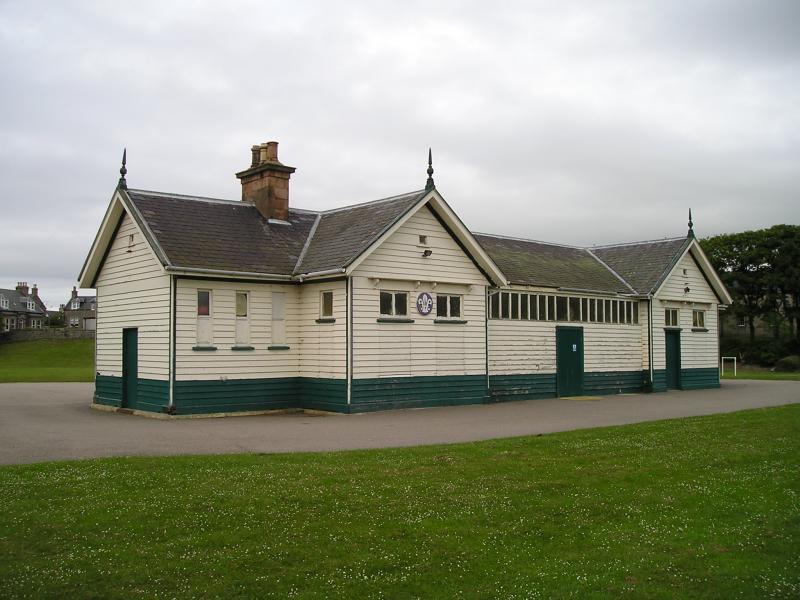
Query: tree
point(762, 271)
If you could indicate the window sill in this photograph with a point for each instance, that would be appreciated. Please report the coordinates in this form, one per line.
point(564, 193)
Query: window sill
point(326, 320)
point(699, 329)
point(449, 321)
point(242, 348)
point(278, 347)
point(394, 320)
point(204, 348)
point(670, 328)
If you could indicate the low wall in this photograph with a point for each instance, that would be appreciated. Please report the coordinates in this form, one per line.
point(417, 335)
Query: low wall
point(24, 335)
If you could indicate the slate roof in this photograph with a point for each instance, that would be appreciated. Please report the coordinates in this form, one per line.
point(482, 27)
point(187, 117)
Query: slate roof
point(228, 235)
point(222, 235)
point(342, 234)
point(19, 304)
point(86, 303)
point(528, 262)
point(644, 264)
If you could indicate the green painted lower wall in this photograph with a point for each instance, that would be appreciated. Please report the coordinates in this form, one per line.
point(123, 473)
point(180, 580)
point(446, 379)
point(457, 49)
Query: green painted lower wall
point(236, 395)
point(691, 379)
point(108, 390)
point(152, 394)
point(659, 380)
point(613, 382)
point(699, 379)
point(323, 394)
point(533, 386)
point(384, 393)
point(414, 392)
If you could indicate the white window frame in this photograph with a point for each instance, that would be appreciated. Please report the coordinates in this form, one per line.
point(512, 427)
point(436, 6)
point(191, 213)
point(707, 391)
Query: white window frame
point(393, 312)
point(448, 306)
point(701, 322)
point(3, 302)
point(677, 312)
point(76, 304)
point(322, 313)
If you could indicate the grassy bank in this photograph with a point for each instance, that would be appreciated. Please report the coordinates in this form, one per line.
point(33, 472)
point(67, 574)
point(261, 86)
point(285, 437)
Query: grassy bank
point(47, 360)
point(701, 507)
point(760, 374)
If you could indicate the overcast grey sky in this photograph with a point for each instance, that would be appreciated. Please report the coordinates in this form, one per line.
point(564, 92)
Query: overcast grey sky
point(573, 122)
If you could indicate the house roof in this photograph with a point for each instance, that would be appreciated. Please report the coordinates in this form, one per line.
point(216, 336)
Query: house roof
point(19, 303)
point(529, 262)
point(341, 235)
point(232, 238)
point(644, 265)
point(225, 235)
point(86, 303)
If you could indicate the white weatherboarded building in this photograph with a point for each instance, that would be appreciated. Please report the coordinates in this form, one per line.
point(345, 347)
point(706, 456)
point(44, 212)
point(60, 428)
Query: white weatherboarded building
point(217, 306)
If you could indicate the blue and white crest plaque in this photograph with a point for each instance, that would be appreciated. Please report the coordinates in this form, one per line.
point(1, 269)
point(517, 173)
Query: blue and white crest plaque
point(424, 303)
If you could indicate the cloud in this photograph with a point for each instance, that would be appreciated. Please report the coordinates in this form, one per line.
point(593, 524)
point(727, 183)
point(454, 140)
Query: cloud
point(572, 122)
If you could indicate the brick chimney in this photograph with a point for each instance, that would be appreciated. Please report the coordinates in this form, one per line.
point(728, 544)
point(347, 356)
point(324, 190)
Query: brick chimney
point(266, 182)
point(22, 288)
point(35, 291)
point(74, 292)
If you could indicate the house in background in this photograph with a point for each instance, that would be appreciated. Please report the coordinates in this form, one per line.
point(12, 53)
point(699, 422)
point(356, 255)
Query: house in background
point(80, 312)
point(21, 308)
point(217, 306)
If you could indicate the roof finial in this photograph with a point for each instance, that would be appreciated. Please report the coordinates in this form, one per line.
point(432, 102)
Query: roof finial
point(691, 225)
point(429, 184)
point(123, 171)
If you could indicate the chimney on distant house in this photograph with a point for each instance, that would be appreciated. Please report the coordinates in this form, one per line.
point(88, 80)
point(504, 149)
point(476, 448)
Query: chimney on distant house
point(74, 292)
point(266, 183)
point(35, 291)
point(22, 288)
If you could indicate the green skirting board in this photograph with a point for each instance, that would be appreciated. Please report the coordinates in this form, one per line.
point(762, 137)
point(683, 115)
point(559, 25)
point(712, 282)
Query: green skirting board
point(383, 393)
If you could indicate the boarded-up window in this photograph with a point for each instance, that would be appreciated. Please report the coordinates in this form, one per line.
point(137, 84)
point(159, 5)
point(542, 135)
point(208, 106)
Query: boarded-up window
point(635, 313)
point(592, 310)
point(242, 319)
point(505, 305)
point(523, 306)
point(607, 311)
point(326, 305)
point(278, 318)
point(551, 308)
point(241, 304)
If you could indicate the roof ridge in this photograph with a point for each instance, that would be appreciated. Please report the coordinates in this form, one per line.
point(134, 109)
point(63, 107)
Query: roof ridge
point(370, 202)
point(307, 243)
point(518, 239)
point(212, 200)
point(604, 246)
point(617, 275)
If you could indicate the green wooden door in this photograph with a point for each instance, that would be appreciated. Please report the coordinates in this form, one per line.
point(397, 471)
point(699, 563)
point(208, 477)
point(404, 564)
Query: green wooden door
point(569, 361)
point(673, 357)
point(130, 367)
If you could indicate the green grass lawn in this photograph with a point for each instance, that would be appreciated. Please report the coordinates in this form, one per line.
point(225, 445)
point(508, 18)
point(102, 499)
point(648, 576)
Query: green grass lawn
point(47, 360)
point(757, 374)
point(701, 507)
